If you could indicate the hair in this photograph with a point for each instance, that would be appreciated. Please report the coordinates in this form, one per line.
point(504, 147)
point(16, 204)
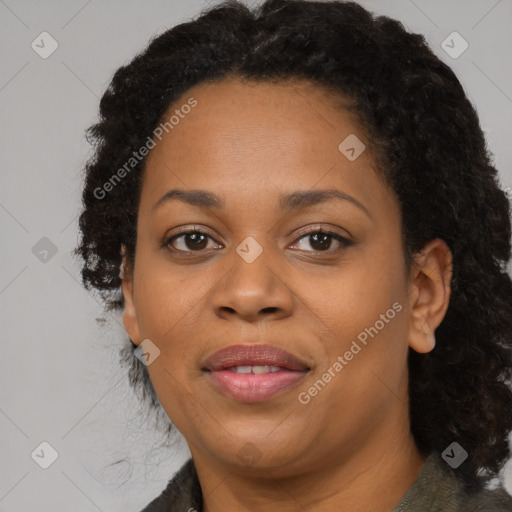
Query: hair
point(425, 137)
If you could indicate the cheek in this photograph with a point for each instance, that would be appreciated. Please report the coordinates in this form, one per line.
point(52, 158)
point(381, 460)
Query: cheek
point(182, 404)
point(363, 319)
point(167, 300)
point(354, 297)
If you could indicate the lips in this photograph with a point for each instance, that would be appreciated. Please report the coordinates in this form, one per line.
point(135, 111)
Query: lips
point(254, 373)
point(253, 355)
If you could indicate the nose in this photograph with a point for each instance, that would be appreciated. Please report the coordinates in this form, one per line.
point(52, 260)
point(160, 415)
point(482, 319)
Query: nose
point(253, 291)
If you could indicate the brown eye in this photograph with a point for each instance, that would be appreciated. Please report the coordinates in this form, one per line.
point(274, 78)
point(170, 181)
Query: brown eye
point(321, 241)
point(189, 241)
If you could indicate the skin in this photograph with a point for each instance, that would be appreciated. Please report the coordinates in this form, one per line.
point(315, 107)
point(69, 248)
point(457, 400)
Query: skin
point(349, 448)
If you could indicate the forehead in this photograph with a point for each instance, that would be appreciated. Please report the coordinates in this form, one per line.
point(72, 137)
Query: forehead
point(252, 137)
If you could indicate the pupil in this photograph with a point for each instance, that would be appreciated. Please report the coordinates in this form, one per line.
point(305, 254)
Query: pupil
point(197, 239)
point(320, 241)
point(322, 244)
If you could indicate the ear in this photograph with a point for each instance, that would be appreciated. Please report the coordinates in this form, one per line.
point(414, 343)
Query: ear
point(430, 291)
point(129, 314)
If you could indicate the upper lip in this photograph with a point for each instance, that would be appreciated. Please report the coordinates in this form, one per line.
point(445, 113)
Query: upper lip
point(253, 355)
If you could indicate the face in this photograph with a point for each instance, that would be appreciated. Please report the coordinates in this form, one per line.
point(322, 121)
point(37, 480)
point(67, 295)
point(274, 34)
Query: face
point(274, 260)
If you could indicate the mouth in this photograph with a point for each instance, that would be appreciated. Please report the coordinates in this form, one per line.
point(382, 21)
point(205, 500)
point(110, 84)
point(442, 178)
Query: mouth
point(253, 373)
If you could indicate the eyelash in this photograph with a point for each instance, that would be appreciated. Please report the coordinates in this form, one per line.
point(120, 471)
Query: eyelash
point(343, 241)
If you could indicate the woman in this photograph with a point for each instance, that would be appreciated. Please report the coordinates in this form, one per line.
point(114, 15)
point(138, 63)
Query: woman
point(312, 243)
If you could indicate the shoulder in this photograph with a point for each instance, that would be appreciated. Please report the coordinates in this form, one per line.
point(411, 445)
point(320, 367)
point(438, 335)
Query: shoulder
point(439, 489)
point(497, 500)
point(183, 492)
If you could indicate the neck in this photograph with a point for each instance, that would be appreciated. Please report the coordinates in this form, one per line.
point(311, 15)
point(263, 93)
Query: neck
point(374, 478)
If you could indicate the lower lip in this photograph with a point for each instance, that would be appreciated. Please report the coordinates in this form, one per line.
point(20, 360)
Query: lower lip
point(250, 387)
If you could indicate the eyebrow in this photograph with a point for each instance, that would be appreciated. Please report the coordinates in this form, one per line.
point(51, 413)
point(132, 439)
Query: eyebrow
point(292, 201)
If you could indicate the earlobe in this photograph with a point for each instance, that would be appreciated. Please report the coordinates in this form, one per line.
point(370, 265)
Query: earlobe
point(430, 294)
point(422, 338)
point(130, 313)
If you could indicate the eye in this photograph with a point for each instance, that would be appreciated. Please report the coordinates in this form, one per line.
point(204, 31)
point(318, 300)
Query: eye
point(196, 240)
point(189, 241)
point(321, 240)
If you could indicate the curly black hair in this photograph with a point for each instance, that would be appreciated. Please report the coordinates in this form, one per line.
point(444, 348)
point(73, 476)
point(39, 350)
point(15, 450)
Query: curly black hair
point(427, 142)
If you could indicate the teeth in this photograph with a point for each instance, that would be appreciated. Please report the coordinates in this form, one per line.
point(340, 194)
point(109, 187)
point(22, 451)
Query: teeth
point(257, 370)
point(260, 369)
point(241, 369)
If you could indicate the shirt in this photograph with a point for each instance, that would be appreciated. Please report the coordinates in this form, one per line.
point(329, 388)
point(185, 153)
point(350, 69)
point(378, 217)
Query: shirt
point(435, 490)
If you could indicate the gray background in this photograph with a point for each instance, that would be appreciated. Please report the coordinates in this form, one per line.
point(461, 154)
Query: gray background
point(60, 381)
